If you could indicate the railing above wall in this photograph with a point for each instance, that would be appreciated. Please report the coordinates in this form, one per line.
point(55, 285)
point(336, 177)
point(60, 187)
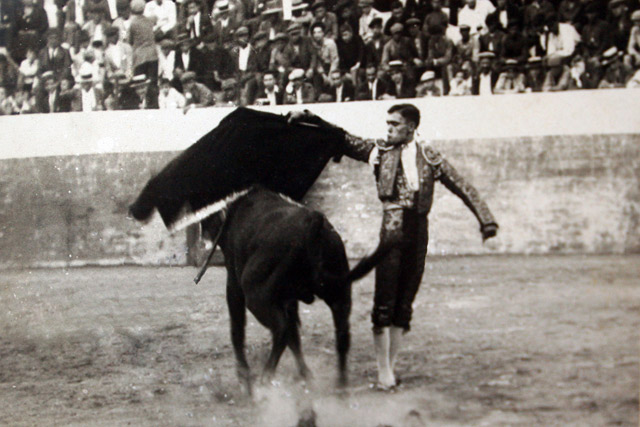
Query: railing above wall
point(613, 111)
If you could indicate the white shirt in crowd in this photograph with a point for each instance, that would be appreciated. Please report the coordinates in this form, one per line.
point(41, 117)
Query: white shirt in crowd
point(173, 99)
point(164, 13)
point(194, 29)
point(89, 102)
point(166, 64)
point(271, 96)
point(485, 87)
point(243, 57)
point(476, 17)
point(562, 44)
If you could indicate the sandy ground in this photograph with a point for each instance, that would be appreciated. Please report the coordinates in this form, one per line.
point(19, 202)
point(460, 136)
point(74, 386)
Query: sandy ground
point(495, 341)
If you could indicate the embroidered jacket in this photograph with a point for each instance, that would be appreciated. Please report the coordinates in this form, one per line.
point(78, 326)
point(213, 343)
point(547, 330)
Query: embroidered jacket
point(393, 189)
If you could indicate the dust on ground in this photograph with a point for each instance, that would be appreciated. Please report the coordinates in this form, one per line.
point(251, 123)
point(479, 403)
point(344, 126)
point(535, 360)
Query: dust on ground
point(495, 341)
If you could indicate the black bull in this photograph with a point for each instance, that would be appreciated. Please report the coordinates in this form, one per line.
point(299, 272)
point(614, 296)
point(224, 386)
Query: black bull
point(277, 253)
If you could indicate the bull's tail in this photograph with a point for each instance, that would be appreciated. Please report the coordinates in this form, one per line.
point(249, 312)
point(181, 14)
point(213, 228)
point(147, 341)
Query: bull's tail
point(368, 263)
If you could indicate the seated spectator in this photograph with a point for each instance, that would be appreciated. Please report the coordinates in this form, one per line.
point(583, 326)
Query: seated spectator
point(399, 48)
point(340, 89)
point(122, 96)
point(96, 24)
point(198, 26)
point(163, 14)
point(397, 17)
point(224, 24)
point(142, 40)
point(166, 59)
point(440, 54)
point(241, 51)
point(87, 97)
point(301, 53)
point(24, 102)
point(77, 53)
point(118, 57)
point(298, 91)
point(189, 57)
point(633, 47)
point(258, 61)
point(328, 20)
point(7, 104)
point(271, 21)
point(467, 48)
point(169, 98)
point(346, 12)
point(619, 23)
point(270, 93)
point(577, 74)
point(196, 94)
point(67, 94)
point(514, 44)
point(300, 14)
point(280, 54)
point(596, 35)
point(350, 51)
point(461, 83)
point(47, 94)
point(28, 70)
point(493, 38)
point(634, 81)
point(401, 85)
point(9, 71)
point(613, 70)
point(560, 39)
point(485, 80)
point(436, 17)
point(419, 41)
point(367, 15)
point(146, 95)
point(53, 57)
point(374, 86)
point(375, 45)
point(557, 77)
point(508, 11)
point(230, 95)
point(31, 26)
point(534, 75)
point(326, 53)
point(123, 21)
point(427, 85)
point(511, 80)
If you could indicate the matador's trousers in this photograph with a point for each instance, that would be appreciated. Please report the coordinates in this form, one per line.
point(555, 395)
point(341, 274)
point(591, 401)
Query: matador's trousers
point(398, 276)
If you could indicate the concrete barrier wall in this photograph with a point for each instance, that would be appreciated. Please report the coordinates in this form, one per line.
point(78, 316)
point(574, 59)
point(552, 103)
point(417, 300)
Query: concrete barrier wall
point(560, 172)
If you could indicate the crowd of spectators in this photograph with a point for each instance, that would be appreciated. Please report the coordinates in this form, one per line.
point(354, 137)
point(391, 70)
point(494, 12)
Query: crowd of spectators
point(87, 55)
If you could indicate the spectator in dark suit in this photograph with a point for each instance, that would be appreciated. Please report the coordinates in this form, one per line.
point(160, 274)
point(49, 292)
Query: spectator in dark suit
point(300, 50)
point(350, 51)
point(486, 78)
point(146, 93)
point(374, 86)
point(142, 41)
point(514, 45)
point(259, 59)
point(31, 27)
point(196, 94)
point(397, 17)
point(269, 92)
point(440, 54)
point(298, 91)
point(54, 57)
point(48, 94)
point(197, 25)
point(436, 17)
point(419, 41)
point(399, 48)
point(328, 19)
point(339, 89)
point(374, 47)
point(402, 85)
point(534, 75)
point(189, 57)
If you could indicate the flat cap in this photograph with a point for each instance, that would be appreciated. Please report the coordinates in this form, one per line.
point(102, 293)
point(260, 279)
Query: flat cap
point(396, 28)
point(188, 76)
point(427, 75)
point(635, 16)
point(396, 64)
point(296, 73)
point(489, 55)
point(413, 21)
point(137, 6)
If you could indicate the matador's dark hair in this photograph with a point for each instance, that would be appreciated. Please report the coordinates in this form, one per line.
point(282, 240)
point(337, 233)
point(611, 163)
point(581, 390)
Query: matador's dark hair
point(408, 111)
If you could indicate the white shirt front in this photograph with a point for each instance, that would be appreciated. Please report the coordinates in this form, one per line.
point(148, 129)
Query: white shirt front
point(173, 99)
point(88, 100)
point(165, 14)
point(476, 17)
point(243, 57)
point(485, 84)
point(185, 60)
point(561, 44)
point(271, 96)
point(166, 64)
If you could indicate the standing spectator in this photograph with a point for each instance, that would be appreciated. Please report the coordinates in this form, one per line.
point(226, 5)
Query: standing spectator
point(328, 20)
point(87, 97)
point(397, 17)
point(428, 86)
point(197, 26)
point(118, 57)
point(475, 13)
point(557, 77)
point(47, 94)
point(142, 41)
point(123, 21)
point(326, 52)
point(28, 70)
point(169, 98)
point(467, 48)
point(440, 54)
point(435, 17)
point(340, 89)
point(534, 75)
point(375, 46)
point(402, 84)
point(164, 16)
point(196, 94)
point(511, 80)
point(350, 51)
point(270, 93)
point(298, 91)
point(399, 48)
point(374, 86)
point(368, 14)
point(485, 80)
point(31, 26)
point(633, 47)
point(54, 57)
point(559, 39)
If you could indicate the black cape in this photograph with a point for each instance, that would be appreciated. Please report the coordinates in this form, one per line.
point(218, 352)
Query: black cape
point(248, 147)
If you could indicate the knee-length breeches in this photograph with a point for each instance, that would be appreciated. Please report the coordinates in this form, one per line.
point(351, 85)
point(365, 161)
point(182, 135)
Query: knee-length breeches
point(398, 276)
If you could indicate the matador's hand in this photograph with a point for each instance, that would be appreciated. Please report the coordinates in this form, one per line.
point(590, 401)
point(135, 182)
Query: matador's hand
point(298, 116)
point(489, 231)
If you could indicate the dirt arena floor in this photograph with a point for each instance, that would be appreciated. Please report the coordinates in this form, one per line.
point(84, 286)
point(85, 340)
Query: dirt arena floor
point(518, 341)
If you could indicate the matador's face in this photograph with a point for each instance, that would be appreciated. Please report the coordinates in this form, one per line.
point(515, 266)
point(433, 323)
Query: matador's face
point(399, 130)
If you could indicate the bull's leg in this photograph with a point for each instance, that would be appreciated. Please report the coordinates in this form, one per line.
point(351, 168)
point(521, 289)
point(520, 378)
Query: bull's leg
point(278, 327)
point(340, 312)
point(237, 313)
point(294, 340)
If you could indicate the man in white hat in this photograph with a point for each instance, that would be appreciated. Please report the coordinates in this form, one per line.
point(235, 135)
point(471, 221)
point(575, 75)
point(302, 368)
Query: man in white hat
point(298, 91)
point(428, 85)
point(510, 80)
point(87, 97)
point(368, 15)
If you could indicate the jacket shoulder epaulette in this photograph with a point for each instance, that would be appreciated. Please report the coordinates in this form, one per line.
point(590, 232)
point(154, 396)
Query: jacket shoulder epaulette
point(433, 156)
